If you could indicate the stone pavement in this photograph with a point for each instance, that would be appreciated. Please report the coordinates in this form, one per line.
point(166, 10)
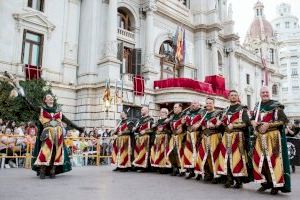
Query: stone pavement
point(89, 183)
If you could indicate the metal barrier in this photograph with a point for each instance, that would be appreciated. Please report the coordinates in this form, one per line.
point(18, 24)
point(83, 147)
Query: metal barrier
point(85, 148)
point(16, 147)
point(80, 148)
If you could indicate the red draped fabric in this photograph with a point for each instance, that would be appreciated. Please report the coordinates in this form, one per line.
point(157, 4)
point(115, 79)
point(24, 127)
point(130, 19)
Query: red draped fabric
point(32, 72)
point(139, 85)
point(218, 85)
point(201, 87)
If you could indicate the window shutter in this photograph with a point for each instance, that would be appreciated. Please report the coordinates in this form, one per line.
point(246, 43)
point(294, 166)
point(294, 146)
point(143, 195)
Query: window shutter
point(120, 55)
point(137, 61)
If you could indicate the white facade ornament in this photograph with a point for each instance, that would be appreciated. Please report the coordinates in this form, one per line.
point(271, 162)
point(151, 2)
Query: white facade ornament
point(149, 60)
point(150, 6)
point(34, 19)
point(211, 41)
point(110, 49)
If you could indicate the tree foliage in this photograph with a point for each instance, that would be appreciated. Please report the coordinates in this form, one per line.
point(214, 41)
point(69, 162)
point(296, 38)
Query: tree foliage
point(17, 109)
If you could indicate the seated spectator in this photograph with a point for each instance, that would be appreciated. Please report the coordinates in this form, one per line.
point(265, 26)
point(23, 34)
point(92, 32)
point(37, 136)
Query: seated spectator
point(30, 135)
point(69, 139)
point(105, 140)
point(7, 145)
point(19, 144)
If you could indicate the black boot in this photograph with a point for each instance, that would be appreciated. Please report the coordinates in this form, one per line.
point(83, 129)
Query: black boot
point(191, 175)
point(264, 187)
point(198, 177)
point(238, 184)
point(215, 181)
point(43, 172)
point(229, 181)
point(274, 191)
point(162, 171)
point(124, 170)
point(52, 172)
point(174, 171)
point(208, 177)
point(182, 174)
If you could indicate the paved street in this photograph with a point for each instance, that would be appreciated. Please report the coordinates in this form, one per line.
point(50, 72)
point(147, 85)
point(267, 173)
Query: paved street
point(101, 183)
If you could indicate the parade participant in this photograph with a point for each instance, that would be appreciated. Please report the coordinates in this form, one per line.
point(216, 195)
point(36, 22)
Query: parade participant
point(233, 156)
point(50, 156)
point(193, 121)
point(207, 162)
point(143, 140)
point(270, 156)
point(159, 158)
point(175, 153)
point(122, 144)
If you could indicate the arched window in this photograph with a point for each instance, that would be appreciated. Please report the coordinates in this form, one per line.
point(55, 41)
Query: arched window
point(275, 89)
point(167, 49)
point(123, 20)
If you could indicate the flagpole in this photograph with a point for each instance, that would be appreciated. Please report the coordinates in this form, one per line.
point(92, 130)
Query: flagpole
point(115, 110)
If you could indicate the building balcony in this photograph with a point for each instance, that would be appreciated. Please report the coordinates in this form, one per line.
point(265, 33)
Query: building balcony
point(126, 35)
point(32, 72)
point(185, 89)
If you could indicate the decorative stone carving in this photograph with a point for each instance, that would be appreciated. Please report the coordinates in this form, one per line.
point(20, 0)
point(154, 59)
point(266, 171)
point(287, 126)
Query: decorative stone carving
point(149, 60)
point(32, 18)
point(150, 6)
point(228, 50)
point(211, 41)
point(110, 49)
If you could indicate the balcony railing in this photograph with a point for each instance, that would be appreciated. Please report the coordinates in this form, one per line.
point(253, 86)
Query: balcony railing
point(126, 35)
point(32, 72)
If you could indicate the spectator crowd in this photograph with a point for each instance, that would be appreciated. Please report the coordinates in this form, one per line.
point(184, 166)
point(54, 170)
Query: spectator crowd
point(18, 139)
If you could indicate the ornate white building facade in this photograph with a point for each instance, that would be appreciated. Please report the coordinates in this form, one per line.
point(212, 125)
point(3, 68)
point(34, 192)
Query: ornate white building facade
point(262, 39)
point(80, 44)
point(287, 27)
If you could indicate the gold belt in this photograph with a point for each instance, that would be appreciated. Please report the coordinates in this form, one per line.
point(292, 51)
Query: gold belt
point(268, 130)
point(209, 132)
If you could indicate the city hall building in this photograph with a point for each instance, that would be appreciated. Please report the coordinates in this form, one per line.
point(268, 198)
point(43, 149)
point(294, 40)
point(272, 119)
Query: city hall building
point(83, 47)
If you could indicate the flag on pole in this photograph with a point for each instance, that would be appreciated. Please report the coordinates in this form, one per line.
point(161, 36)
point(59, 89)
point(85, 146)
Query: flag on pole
point(180, 45)
point(119, 92)
point(265, 70)
point(106, 96)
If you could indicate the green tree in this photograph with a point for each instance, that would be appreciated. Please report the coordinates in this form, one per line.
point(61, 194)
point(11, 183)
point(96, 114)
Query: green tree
point(17, 109)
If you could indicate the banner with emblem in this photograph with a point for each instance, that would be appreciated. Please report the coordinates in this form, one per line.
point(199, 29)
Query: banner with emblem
point(293, 145)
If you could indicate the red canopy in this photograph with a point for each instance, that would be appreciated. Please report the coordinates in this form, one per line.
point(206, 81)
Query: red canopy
point(212, 85)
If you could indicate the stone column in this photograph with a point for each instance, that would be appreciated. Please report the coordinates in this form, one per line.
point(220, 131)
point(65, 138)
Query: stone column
point(233, 71)
point(200, 55)
point(150, 70)
point(109, 65)
point(71, 32)
point(110, 50)
point(149, 37)
point(88, 38)
point(214, 62)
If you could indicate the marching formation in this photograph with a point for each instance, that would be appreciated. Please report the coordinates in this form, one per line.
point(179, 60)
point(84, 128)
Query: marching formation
point(231, 146)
